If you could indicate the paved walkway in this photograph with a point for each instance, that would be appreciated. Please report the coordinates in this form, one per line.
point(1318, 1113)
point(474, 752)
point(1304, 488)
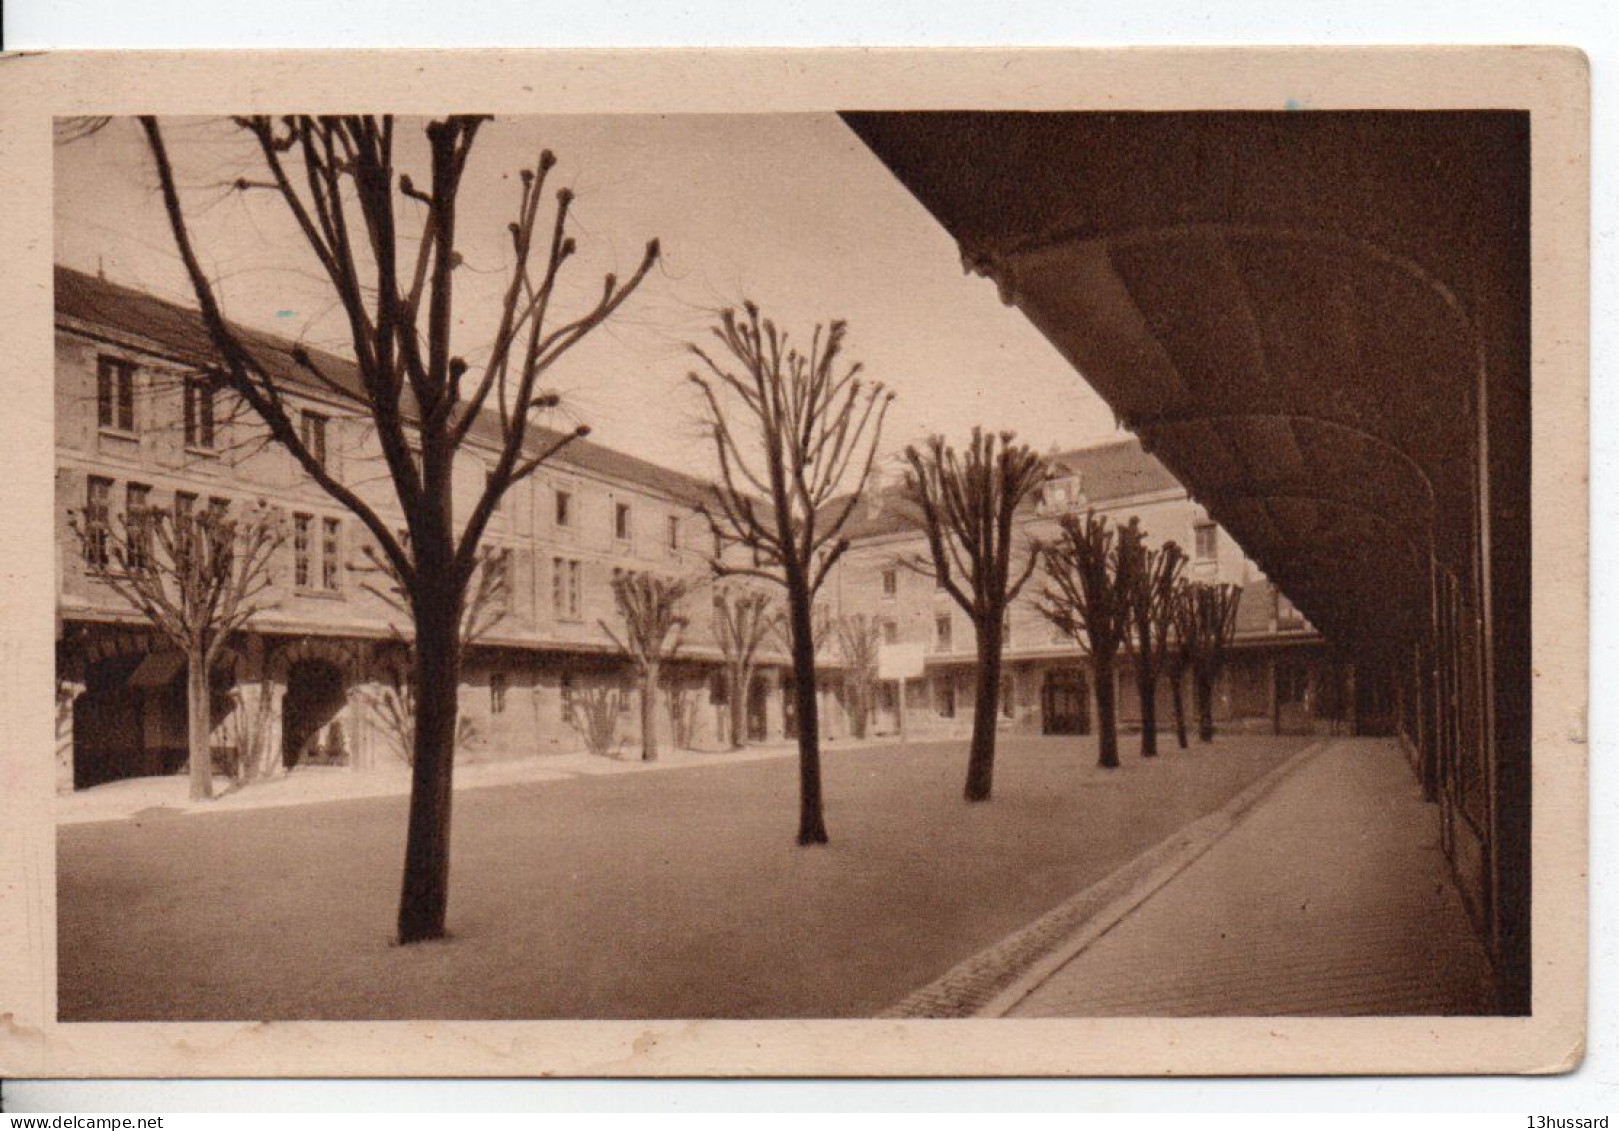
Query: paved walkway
point(305, 785)
point(1331, 899)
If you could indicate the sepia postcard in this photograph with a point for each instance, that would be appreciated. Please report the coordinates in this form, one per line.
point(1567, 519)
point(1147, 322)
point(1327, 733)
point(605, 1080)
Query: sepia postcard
point(780, 563)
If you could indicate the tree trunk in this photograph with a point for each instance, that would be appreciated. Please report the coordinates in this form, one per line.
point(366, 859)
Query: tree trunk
point(1204, 685)
point(739, 706)
point(425, 896)
point(197, 726)
point(859, 708)
point(1147, 686)
point(649, 714)
point(1178, 698)
point(811, 821)
point(1107, 723)
point(986, 706)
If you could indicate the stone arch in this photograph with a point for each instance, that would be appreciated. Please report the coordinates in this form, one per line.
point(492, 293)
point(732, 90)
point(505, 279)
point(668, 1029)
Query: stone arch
point(320, 712)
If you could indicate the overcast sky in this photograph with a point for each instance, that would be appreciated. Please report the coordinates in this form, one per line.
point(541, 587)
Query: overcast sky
point(791, 211)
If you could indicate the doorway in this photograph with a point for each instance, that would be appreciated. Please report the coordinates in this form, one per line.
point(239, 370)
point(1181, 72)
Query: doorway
point(311, 731)
point(1065, 702)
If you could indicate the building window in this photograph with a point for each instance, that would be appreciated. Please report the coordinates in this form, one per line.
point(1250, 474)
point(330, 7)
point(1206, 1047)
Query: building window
point(312, 431)
point(621, 521)
point(300, 549)
point(565, 588)
point(199, 413)
point(185, 506)
point(564, 512)
point(567, 697)
point(497, 693)
point(498, 567)
point(115, 394)
point(137, 501)
point(890, 632)
point(1008, 703)
point(1207, 537)
point(330, 555)
point(97, 521)
point(890, 583)
point(941, 632)
point(944, 691)
point(674, 532)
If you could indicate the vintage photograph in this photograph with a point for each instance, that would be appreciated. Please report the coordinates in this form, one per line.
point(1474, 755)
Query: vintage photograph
point(834, 560)
point(587, 568)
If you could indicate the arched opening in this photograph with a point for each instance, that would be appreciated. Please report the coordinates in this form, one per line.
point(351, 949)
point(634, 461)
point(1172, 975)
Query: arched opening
point(312, 732)
point(1065, 702)
point(130, 722)
point(758, 700)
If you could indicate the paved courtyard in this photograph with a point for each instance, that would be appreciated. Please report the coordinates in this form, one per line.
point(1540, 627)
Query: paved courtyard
point(655, 895)
point(1332, 900)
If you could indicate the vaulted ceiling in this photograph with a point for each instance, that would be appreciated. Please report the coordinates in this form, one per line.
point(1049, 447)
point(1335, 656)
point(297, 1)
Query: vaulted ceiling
point(1298, 313)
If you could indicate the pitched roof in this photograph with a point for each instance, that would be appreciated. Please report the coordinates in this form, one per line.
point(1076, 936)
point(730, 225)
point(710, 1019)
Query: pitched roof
point(180, 330)
point(1119, 469)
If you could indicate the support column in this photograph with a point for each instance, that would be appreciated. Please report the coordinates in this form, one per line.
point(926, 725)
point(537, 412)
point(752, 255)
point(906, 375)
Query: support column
point(67, 694)
point(1275, 697)
point(775, 713)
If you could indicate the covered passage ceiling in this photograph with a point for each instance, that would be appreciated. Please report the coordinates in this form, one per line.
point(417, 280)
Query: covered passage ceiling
point(1298, 313)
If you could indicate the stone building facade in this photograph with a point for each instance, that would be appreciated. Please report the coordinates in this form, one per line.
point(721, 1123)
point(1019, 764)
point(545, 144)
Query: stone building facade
point(318, 677)
point(318, 680)
point(1281, 677)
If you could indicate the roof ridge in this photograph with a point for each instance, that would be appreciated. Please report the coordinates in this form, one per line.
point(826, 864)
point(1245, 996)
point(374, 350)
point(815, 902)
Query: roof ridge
point(640, 470)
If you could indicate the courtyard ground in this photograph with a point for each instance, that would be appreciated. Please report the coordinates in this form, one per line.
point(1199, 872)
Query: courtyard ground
point(653, 895)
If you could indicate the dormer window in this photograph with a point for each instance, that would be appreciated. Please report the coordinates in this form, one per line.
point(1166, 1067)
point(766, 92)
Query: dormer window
point(1206, 538)
point(1061, 492)
point(115, 394)
point(312, 431)
point(199, 413)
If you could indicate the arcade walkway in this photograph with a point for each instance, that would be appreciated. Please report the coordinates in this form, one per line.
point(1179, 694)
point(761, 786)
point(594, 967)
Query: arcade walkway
point(1332, 898)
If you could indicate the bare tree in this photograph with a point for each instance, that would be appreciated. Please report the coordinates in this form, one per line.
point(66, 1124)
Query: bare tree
point(859, 637)
point(487, 604)
point(1178, 658)
point(1150, 579)
point(594, 712)
point(1081, 596)
point(968, 505)
point(198, 577)
point(789, 429)
point(396, 288)
point(743, 619)
point(653, 622)
point(1207, 621)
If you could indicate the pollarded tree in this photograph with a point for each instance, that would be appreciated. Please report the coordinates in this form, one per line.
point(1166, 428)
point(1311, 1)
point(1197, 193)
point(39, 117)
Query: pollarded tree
point(1178, 657)
point(198, 576)
point(968, 506)
point(1208, 620)
point(1151, 580)
point(488, 602)
point(859, 637)
point(387, 245)
point(743, 620)
point(796, 434)
point(1082, 597)
point(650, 608)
